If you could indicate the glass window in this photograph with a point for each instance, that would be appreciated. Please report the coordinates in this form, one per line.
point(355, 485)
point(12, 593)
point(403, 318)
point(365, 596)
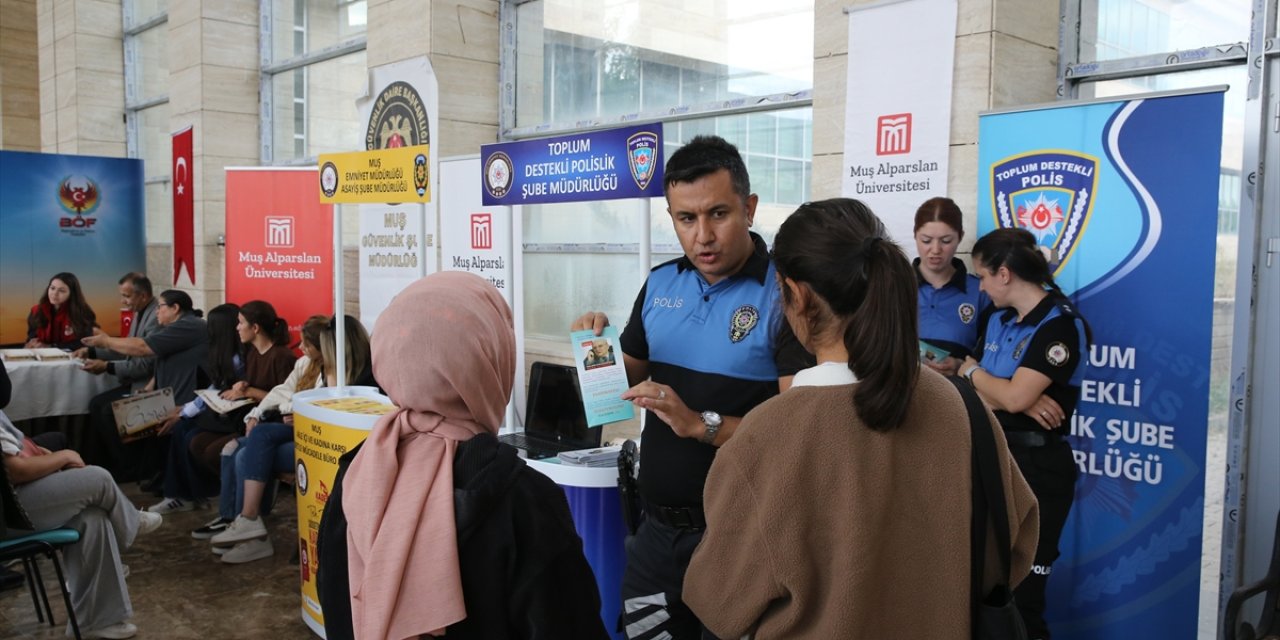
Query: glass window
point(140, 11)
point(155, 140)
point(702, 54)
point(315, 108)
point(151, 68)
point(304, 26)
point(1127, 28)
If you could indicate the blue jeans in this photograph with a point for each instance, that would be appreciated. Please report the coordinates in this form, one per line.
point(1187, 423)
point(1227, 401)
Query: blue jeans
point(266, 451)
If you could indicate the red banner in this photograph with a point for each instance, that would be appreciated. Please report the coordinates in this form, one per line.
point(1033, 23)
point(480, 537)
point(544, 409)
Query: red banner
point(279, 242)
point(184, 239)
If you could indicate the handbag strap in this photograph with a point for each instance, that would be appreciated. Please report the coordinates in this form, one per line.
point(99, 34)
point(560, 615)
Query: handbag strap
point(988, 492)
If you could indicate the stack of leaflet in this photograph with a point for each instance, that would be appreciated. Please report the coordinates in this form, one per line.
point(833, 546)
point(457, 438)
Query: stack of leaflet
point(599, 457)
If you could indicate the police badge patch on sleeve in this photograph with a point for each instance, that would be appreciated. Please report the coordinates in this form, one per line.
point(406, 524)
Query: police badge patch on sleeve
point(1057, 354)
point(742, 322)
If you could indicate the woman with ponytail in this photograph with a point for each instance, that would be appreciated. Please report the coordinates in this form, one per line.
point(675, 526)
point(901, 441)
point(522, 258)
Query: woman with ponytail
point(1034, 346)
point(841, 507)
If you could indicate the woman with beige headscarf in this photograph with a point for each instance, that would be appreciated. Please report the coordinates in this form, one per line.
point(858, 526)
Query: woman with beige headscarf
point(434, 527)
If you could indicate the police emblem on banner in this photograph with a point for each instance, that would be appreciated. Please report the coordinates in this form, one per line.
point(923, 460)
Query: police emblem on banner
point(420, 173)
point(743, 321)
point(642, 152)
point(398, 119)
point(497, 174)
point(1049, 193)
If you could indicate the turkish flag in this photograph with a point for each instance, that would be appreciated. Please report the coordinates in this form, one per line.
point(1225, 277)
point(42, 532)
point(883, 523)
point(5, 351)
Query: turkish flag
point(184, 228)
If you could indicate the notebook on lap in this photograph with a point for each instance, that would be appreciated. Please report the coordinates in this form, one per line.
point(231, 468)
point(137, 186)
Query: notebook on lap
point(554, 419)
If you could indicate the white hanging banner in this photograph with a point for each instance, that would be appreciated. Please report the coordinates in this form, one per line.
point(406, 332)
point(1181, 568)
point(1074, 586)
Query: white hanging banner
point(898, 111)
point(396, 249)
point(397, 241)
point(473, 237)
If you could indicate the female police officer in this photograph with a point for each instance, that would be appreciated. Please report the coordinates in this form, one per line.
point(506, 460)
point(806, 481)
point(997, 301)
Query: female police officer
point(1033, 353)
point(949, 299)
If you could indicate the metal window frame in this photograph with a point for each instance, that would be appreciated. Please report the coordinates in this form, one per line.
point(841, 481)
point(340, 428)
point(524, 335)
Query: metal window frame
point(1261, 46)
point(269, 68)
point(132, 82)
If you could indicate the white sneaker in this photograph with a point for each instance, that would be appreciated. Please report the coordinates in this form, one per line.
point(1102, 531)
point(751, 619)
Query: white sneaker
point(171, 505)
point(118, 631)
point(149, 521)
point(239, 530)
point(217, 551)
point(248, 551)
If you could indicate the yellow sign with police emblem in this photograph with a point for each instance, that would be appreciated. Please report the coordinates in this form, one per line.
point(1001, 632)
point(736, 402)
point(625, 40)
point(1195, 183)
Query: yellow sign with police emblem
point(397, 174)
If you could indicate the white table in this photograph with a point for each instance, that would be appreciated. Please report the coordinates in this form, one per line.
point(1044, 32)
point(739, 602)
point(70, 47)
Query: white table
point(57, 388)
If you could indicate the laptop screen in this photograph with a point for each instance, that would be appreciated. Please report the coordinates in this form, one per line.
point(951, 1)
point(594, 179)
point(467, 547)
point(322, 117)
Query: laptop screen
point(554, 411)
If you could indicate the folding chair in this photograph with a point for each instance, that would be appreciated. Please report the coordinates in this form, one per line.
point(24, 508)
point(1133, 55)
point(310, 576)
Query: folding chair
point(30, 547)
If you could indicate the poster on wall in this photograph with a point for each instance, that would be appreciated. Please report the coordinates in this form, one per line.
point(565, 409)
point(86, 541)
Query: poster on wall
point(78, 214)
point(474, 237)
point(897, 135)
point(401, 110)
point(1128, 209)
point(279, 242)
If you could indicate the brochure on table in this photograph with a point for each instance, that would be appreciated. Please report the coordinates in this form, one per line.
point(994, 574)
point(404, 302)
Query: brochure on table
point(601, 376)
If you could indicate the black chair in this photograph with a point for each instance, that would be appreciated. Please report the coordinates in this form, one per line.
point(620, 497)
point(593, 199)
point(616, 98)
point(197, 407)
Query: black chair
point(30, 547)
point(1269, 624)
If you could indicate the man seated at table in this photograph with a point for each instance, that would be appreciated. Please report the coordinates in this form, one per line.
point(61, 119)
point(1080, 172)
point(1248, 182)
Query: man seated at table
point(133, 372)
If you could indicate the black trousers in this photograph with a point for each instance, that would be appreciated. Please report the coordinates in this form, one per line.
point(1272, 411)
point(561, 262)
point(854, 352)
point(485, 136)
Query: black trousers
point(652, 584)
point(1051, 472)
point(126, 461)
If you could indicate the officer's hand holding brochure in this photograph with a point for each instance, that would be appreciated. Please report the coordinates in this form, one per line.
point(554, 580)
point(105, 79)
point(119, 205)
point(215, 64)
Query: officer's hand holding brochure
point(930, 353)
point(601, 375)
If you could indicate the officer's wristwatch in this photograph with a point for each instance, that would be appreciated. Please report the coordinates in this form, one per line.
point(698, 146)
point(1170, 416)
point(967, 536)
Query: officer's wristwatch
point(712, 420)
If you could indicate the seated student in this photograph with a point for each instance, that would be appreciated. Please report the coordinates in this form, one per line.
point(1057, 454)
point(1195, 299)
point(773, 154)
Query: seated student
point(56, 489)
point(179, 348)
point(433, 526)
point(185, 483)
point(62, 317)
point(266, 445)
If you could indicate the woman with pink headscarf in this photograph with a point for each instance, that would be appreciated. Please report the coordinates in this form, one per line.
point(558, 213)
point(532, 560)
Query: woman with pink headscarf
point(434, 527)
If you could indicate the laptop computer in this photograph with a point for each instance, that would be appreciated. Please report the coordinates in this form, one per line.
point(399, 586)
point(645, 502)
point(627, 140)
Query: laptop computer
point(554, 419)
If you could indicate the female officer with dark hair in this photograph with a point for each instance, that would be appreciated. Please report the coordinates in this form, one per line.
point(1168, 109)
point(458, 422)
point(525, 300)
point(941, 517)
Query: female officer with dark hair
point(1034, 346)
point(950, 299)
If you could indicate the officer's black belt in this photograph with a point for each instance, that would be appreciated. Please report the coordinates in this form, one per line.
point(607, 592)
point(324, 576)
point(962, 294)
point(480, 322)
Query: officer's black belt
point(691, 518)
point(1031, 439)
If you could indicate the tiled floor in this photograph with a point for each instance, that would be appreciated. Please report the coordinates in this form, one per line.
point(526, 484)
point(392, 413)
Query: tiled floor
point(181, 591)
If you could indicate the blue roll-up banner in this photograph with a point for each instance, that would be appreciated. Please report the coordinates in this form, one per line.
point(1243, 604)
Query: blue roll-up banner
point(598, 165)
point(1126, 192)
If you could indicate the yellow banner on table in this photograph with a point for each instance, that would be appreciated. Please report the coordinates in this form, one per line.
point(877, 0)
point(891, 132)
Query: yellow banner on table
point(325, 426)
point(398, 174)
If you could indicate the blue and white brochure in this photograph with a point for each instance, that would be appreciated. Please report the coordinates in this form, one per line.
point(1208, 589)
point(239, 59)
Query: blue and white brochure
point(601, 376)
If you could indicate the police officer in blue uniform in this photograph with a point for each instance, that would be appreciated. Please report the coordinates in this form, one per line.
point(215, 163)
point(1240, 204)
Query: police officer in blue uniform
point(706, 342)
point(950, 299)
point(1029, 372)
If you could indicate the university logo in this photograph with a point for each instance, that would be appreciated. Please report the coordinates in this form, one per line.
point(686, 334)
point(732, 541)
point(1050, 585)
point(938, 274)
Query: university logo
point(481, 231)
point(893, 134)
point(78, 195)
point(398, 119)
point(497, 174)
point(642, 151)
point(1049, 193)
point(279, 231)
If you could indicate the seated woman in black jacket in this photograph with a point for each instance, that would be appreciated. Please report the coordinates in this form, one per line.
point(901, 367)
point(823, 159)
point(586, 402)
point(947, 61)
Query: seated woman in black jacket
point(463, 538)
